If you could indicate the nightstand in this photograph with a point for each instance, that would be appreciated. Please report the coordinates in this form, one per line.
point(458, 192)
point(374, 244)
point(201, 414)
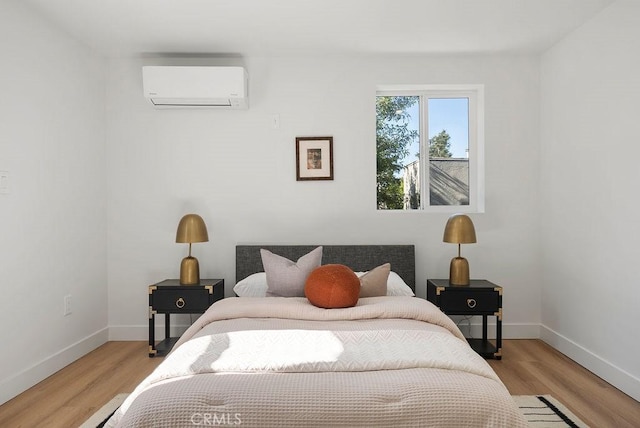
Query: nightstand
point(169, 297)
point(481, 297)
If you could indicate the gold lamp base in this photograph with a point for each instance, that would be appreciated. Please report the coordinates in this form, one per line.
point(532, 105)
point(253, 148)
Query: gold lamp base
point(459, 271)
point(189, 271)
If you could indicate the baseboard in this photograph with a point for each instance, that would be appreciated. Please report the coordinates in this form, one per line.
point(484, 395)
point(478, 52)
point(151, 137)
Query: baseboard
point(509, 331)
point(20, 382)
point(616, 376)
point(141, 332)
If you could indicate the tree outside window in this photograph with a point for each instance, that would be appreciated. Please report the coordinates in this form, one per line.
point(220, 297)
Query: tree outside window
point(404, 120)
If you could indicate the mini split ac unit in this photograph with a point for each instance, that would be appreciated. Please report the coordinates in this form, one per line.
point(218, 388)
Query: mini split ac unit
point(196, 86)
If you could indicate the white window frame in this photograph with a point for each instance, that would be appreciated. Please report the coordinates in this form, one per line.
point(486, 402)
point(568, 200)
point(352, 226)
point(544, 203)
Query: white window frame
point(475, 94)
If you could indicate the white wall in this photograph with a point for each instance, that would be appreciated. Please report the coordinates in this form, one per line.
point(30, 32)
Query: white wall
point(590, 148)
point(238, 172)
point(53, 221)
point(70, 221)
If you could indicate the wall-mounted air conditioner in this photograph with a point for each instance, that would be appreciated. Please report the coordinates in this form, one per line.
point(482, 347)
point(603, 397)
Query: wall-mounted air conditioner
point(196, 86)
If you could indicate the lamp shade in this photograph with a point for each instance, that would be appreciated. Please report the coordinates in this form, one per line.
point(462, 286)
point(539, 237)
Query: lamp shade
point(192, 229)
point(459, 230)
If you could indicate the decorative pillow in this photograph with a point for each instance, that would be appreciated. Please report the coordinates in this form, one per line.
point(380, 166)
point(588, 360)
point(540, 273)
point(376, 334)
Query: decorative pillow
point(252, 286)
point(395, 285)
point(332, 286)
point(286, 278)
point(374, 282)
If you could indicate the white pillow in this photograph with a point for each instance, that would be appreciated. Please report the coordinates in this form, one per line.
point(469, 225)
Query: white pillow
point(256, 285)
point(252, 286)
point(397, 287)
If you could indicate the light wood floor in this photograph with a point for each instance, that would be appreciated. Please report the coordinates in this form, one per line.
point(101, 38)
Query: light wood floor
point(533, 367)
point(69, 397)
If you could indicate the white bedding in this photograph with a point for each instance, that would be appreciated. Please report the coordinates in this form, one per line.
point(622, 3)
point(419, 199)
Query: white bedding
point(389, 361)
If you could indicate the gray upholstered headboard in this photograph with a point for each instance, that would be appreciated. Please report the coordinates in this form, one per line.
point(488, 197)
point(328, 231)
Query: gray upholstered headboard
point(357, 257)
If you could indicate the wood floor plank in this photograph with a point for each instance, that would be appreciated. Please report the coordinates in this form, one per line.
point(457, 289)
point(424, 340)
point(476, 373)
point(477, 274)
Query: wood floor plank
point(72, 395)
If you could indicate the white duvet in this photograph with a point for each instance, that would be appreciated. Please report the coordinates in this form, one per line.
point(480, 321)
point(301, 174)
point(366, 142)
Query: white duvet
point(276, 362)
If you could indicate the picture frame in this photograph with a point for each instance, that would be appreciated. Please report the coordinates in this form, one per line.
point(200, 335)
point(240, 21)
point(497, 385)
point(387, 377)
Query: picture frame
point(314, 158)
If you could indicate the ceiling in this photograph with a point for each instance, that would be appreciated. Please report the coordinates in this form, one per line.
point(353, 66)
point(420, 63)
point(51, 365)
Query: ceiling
point(253, 27)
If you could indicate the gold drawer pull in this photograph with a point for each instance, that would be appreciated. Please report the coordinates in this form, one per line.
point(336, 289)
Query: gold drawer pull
point(180, 303)
point(471, 303)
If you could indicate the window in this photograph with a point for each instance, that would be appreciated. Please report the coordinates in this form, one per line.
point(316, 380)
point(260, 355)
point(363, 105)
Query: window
point(438, 126)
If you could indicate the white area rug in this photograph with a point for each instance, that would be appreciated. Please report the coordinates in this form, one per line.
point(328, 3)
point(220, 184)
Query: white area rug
point(544, 411)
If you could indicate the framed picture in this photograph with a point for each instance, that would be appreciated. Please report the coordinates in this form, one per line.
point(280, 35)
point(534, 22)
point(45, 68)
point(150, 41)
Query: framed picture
point(314, 158)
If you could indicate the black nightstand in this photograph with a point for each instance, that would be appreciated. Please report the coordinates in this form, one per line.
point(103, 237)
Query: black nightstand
point(169, 297)
point(481, 297)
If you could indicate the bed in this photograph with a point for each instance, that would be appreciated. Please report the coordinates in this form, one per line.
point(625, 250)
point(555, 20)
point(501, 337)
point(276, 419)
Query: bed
point(391, 360)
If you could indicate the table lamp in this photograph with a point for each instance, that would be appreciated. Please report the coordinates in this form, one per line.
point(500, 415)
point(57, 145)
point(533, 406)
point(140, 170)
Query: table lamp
point(459, 230)
point(191, 229)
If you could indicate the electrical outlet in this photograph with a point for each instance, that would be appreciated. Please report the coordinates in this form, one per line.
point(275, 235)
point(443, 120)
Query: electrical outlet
point(4, 182)
point(67, 305)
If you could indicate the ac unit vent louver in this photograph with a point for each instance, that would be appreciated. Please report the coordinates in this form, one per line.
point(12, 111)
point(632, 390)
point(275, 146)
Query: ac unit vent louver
point(196, 87)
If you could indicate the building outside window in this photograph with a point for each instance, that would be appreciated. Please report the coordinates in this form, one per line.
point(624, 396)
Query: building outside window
point(438, 126)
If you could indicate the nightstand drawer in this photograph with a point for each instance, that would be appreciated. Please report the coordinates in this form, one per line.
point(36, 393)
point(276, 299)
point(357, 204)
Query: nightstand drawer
point(180, 299)
point(477, 302)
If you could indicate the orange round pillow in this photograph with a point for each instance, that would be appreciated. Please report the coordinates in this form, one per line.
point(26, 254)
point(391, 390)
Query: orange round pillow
point(332, 286)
